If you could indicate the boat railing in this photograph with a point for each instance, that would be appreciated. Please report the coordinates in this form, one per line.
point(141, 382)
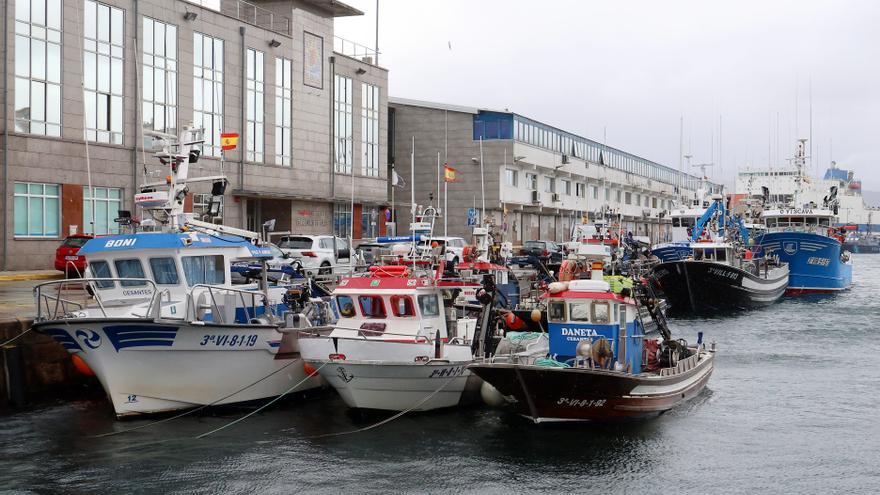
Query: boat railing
point(686, 364)
point(361, 333)
point(194, 307)
point(60, 305)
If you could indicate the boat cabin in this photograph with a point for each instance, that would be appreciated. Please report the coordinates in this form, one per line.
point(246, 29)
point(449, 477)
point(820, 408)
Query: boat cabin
point(720, 252)
point(389, 305)
point(587, 321)
point(815, 220)
point(173, 263)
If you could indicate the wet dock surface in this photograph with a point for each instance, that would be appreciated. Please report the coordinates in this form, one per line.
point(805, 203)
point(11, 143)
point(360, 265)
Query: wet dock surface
point(791, 408)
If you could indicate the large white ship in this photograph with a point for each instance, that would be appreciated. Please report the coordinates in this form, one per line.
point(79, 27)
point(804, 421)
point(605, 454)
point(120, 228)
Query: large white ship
point(783, 182)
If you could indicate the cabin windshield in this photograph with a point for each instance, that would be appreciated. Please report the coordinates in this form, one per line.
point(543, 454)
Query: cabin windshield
point(130, 269)
point(372, 306)
point(579, 311)
point(101, 269)
point(402, 306)
point(346, 306)
point(825, 222)
point(204, 269)
point(164, 271)
point(429, 305)
point(556, 311)
point(601, 312)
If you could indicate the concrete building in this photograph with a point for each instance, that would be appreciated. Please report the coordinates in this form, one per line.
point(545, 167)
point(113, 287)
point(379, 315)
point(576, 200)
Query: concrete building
point(538, 179)
point(310, 109)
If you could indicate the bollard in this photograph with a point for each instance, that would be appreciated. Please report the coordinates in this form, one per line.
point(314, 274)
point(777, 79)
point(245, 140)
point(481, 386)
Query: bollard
point(13, 365)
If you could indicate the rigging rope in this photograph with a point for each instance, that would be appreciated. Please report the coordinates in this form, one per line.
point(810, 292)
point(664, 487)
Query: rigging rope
point(191, 411)
point(13, 339)
point(264, 406)
point(388, 420)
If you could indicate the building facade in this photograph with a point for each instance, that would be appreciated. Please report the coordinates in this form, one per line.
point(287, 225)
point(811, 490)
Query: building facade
point(84, 79)
point(538, 179)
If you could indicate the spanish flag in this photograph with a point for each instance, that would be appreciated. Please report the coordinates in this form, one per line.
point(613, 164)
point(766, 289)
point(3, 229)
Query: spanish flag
point(448, 174)
point(228, 141)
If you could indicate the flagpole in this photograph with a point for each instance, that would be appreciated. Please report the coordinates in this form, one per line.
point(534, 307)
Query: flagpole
point(482, 184)
point(393, 185)
point(445, 199)
point(438, 178)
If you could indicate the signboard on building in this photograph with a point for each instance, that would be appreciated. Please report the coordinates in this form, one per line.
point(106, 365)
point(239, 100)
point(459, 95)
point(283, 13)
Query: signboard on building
point(472, 217)
point(310, 218)
point(313, 60)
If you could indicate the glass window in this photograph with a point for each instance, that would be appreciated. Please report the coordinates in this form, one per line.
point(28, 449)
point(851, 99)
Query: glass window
point(296, 243)
point(204, 269)
point(342, 107)
point(38, 67)
point(75, 241)
point(255, 108)
point(107, 202)
point(601, 312)
point(581, 190)
point(341, 219)
point(370, 129)
point(511, 177)
point(164, 271)
point(369, 222)
point(100, 269)
point(824, 222)
point(37, 209)
point(549, 185)
point(159, 76)
point(130, 269)
point(566, 186)
point(402, 306)
point(102, 69)
point(208, 90)
point(556, 311)
point(579, 311)
point(283, 109)
point(346, 306)
point(676, 222)
point(532, 180)
point(372, 306)
point(429, 305)
point(628, 198)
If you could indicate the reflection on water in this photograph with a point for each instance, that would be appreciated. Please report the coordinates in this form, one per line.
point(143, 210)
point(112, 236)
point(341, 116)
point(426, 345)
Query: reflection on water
point(790, 408)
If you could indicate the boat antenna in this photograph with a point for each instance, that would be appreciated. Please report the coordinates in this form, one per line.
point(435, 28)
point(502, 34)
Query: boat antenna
point(82, 83)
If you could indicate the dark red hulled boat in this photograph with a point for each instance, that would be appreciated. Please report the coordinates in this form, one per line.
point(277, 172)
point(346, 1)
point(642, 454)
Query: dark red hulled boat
point(603, 368)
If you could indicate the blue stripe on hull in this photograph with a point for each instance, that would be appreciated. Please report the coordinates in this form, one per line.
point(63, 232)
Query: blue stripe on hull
point(672, 251)
point(813, 260)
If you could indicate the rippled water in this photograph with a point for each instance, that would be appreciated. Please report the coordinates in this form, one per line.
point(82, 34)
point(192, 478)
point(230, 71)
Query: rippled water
point(791, 408)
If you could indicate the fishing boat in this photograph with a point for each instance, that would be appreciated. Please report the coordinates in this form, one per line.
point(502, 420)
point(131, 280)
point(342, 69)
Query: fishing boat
point(156, 318)
point(599, 365)
point(400, 342)
point(684, 217)
point(724, 271)
point(804, 235)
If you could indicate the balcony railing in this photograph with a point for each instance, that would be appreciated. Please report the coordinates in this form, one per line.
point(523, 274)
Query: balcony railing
point(355, 50)
point(249, 13)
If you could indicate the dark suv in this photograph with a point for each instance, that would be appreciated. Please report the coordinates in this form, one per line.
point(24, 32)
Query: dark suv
point(546, 251)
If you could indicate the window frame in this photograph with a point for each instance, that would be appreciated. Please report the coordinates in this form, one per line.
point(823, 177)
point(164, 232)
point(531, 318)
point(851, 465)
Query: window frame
point(255, 109)
point(129, 283)
point(428, 314)
point(152, 61)
point(370, 109)
point(374, 299)
point(283, 112)
point(111, 93)
point(29, 34)
point(43, 197)
point(408, 303)
point(343, 134)
point(595, 318)
point(173, 264)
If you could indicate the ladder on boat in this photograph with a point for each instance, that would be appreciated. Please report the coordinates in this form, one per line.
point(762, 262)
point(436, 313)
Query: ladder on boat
point(646, 296)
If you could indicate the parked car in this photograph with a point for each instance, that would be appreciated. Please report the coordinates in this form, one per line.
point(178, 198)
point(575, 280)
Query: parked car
point(454, 245)
point(546, 251)
point(67, 258)
point(319, 254)
point(244, 272)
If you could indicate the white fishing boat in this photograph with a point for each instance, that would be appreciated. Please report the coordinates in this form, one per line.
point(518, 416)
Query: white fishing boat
point(157, 320)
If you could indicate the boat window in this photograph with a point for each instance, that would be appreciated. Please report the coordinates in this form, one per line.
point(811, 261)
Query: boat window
point(688, 222)
point(812, 221)
point(204, 269)
point(556, 311)
point(797, 221)
point(402, 306)
point(101, 269)
point(428, 305)
point(346, 306)
point(372, 307)
point(824, 222)
point(164, 271)
point(698, 254)
point(721, 255)
point(601, 312)
point(771, 222)
point(130, 269)
point(579, 311)
point(676, 222)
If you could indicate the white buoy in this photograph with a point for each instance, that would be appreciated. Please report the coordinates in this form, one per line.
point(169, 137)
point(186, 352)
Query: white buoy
point(491, 396)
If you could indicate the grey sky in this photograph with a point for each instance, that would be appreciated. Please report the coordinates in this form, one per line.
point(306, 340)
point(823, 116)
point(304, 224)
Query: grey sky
point(635, 67)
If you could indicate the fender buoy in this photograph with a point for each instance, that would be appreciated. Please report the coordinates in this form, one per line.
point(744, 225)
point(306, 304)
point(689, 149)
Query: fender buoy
point(81, 366)
point(309, 369)
point(513, 322)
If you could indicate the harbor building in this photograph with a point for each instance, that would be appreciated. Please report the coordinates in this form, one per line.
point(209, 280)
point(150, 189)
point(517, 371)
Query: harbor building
point(85, 78)
point(538, 179)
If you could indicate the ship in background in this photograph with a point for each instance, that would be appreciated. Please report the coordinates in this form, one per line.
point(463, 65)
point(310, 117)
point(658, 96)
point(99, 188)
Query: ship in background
point(803, 222)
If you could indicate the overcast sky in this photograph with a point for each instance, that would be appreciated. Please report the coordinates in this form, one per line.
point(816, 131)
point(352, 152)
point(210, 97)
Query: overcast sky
point(634, 68)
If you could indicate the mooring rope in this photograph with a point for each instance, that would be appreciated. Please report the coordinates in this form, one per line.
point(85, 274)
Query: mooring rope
point(191, 411)
point(264, 406)
point(388, 420)
point(13, 339)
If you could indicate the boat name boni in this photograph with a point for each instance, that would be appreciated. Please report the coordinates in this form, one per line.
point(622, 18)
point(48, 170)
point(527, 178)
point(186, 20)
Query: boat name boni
point(120, 243)
point(814, 260)
point(565, 401)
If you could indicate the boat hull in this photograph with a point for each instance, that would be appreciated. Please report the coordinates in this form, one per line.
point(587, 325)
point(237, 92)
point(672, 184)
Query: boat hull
point(703, 286)
point(390, 376)
point(816, 262)
point(546, 394)
point(150, 367)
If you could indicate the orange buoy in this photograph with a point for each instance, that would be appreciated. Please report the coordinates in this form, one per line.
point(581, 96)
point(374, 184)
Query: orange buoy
point(309, 369)
point(81, 366)
point(513, 322)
